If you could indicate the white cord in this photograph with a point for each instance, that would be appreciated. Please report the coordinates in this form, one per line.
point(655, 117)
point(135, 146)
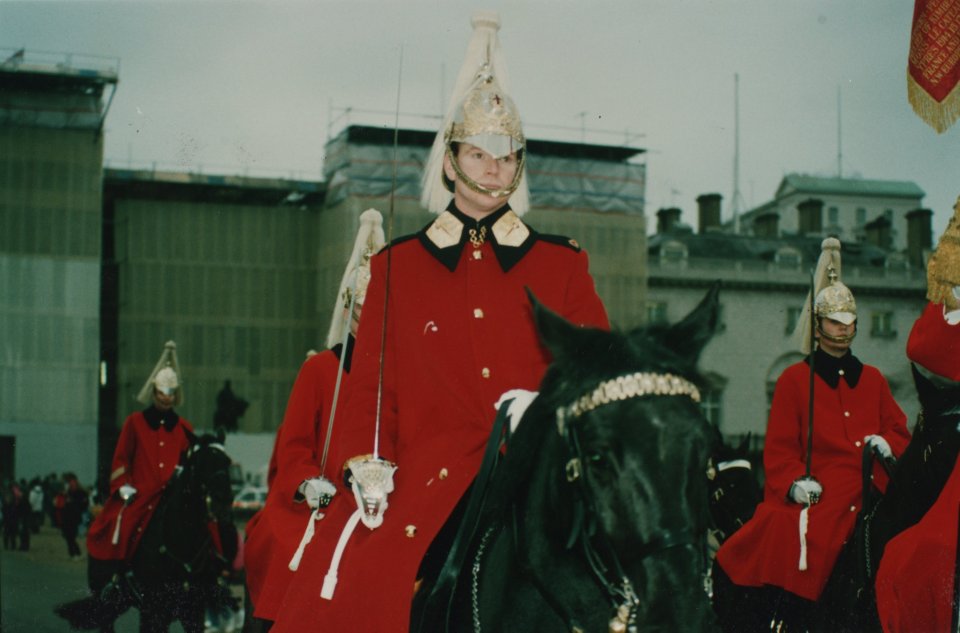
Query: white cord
point(330, 580)
point(315, 516)
point(116, 530)
point(804, 521)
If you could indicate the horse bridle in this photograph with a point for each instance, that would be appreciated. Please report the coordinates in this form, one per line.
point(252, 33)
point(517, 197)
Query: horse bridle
point(204, 489)
point(620, 591)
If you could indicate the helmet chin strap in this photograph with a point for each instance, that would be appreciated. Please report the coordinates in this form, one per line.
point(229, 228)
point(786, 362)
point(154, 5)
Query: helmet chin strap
point(837, 339)
point(475, 186)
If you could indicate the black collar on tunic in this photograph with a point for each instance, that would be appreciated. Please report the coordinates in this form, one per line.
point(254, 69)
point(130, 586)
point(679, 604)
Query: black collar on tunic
point(155, 417)
point(338, 351)
point(507, 254)
point(830, 368)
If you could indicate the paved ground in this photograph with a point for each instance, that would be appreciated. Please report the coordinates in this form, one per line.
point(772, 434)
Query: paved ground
point(32, 583)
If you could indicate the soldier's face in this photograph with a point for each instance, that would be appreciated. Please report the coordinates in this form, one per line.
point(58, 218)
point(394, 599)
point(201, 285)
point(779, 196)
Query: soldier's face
point(162, 401)
point(491, 173)
point(836, 336)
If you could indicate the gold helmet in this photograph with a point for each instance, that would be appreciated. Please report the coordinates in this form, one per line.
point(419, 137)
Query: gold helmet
point(833, 299)
point(356, 276)
point(481, 113)
point(943, 269)
point(165, 377)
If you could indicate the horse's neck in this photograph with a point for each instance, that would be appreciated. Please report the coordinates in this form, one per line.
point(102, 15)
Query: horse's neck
point(922, 471)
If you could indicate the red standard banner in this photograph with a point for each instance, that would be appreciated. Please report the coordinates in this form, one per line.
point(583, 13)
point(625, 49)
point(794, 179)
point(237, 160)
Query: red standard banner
point(933, 71)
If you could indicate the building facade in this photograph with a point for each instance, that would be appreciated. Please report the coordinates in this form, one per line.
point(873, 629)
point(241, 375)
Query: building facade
point(52, 109)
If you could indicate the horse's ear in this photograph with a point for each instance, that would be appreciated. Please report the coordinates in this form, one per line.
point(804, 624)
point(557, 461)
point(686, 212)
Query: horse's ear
point(191, 436)
point(744, 446)
point(221, 435)
point(556, 333)
point(688, 337)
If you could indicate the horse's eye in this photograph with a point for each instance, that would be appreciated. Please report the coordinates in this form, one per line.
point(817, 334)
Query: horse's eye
point(598, 463)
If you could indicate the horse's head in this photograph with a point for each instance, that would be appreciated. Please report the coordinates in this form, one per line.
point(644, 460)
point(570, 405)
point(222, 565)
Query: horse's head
point(623, 465)
point(206, 475)
point(733, 487)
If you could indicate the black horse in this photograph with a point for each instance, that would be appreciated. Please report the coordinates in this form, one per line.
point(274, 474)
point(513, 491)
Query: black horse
point(915, 483)
point(597, 517)
point(177, 570)
point(734, 490)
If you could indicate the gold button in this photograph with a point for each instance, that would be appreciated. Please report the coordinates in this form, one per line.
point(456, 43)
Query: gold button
point(410, 530)
point(846, 414)
point(161, 442)
point(841, 372)
point(477, 255)
point(485, 372)
point(443, 473)
point(477, 313)
point(149, 506)
point(857, 443)
point(161, 464)
point(139, 529)
point(853, 508)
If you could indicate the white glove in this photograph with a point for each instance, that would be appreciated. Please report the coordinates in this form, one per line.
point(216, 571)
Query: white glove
point(879, 444)
point(806, 491)
point(126, 492)
point(521, 400)
point(317, 492)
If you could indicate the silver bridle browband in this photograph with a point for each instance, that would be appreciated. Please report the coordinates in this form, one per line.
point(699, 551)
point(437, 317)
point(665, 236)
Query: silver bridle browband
point(634, 385)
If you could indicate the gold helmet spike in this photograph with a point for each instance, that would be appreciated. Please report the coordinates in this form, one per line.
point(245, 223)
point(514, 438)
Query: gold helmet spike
point(356, 275)
point(943, 269)
point(480, 113)
point(832, 299)
point(165, 376)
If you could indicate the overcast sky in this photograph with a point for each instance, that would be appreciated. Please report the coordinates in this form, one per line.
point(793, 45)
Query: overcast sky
point(253, 87)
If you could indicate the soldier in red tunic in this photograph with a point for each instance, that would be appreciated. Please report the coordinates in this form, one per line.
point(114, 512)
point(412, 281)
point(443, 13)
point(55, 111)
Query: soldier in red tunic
point(789, 547)
point(148, 450)
point(459, 333)
point(274, 534)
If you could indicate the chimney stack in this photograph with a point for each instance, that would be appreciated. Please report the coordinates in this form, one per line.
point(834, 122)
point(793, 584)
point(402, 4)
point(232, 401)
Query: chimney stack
point(919, 235)
point(767, 225)
point(668, 219)
point(878, 233)
point(708, 205)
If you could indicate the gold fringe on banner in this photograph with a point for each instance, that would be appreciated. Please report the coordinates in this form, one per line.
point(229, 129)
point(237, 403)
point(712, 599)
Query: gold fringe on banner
point(939, 115)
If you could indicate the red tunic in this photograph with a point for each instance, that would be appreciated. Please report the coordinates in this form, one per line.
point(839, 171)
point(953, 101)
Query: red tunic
point(766, 551)
point(145, 458)
point(274, 533)
point(460, 333)
point(915, 582)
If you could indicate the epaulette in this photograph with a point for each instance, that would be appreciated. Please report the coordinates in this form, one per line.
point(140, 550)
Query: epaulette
point(561, 240)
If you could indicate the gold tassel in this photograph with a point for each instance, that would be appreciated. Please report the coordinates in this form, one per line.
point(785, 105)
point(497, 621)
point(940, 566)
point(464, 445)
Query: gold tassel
point(939, 115)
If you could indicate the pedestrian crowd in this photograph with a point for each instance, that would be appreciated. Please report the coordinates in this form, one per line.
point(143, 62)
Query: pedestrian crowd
point(27, 506)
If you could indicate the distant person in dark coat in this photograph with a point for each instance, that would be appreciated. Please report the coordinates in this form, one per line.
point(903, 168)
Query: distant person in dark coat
point(24, 516)
point(72, 514)
point(9, 519)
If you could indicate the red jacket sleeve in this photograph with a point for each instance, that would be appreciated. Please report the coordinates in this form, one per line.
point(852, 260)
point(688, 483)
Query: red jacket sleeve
point(121, 468)
point(299, 442)
point(583, 306)
point(783, 450)
point(355, 436)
